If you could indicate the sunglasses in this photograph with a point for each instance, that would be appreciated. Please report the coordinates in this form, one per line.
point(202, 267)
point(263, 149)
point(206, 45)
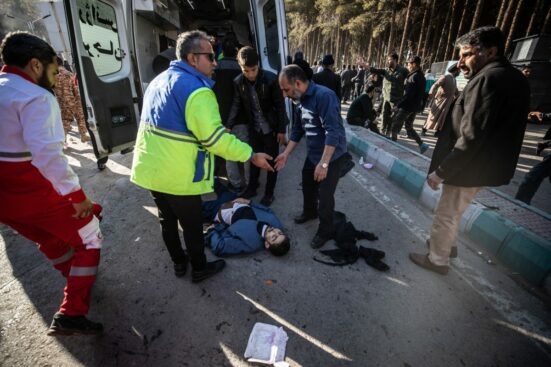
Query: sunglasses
point(209, 55)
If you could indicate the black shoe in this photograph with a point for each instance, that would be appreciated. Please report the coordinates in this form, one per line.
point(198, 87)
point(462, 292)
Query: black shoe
point(540, 148)
point(303, 218)
point(210, 269)
point(248, 193)
point(180, 269)
point(71, 325)
point(318, 241)
point(267, 200)
point(235, 189)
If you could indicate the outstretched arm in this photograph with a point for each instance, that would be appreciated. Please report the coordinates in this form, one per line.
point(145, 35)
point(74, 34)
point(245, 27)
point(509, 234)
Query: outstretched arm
point(281, 159)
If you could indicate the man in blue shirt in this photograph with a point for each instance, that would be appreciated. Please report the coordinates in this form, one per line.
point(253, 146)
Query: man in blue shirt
point(326, 147)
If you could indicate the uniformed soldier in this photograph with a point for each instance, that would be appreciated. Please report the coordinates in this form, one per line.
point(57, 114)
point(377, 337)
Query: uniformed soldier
point(68, 98)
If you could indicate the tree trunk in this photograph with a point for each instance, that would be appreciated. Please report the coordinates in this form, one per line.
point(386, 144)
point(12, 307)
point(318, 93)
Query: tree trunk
point(513, 26)
point(442, 38)
point(546, 21)
point(404, 34)
point(507, 15)
point(460, 29)
point(429, 29)
point(451, 32)
point(370, 44)
point(423, 29)
point(391, 35)
point(532, 18)
point(502, 8)
point(477, 12)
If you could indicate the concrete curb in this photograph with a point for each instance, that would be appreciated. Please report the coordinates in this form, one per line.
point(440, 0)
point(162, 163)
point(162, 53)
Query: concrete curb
point(519, 248)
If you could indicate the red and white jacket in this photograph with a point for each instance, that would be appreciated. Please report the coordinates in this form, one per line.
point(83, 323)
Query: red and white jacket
point(31, 130)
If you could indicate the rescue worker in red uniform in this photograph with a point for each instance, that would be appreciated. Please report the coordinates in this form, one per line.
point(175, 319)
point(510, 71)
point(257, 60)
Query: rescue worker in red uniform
point(40, 194)
point(68, 98)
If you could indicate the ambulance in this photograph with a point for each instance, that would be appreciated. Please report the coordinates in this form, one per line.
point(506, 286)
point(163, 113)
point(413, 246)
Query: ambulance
point(114, 44)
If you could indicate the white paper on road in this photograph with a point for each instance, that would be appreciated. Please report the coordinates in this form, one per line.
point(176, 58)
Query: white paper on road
point(266, 344)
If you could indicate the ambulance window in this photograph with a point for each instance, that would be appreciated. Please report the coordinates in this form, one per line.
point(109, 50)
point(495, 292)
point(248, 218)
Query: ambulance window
point(272, 38)
point(100, 35)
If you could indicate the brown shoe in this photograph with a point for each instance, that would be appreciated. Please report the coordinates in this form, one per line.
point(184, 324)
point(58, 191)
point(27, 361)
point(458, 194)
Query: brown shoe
point(453, 253)
point(424, 262)
point(84, 138)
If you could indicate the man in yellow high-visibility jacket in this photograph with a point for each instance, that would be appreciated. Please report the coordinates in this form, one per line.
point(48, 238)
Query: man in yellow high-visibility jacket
point(180, 132)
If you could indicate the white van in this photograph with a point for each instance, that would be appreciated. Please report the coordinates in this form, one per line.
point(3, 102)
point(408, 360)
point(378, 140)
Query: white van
point(114, 43)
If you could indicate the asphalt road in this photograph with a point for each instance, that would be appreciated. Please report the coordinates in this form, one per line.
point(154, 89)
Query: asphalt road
point(477, 315)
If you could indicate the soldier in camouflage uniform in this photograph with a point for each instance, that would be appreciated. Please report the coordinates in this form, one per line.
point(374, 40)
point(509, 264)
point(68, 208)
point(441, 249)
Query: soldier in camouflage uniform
point(68, 98)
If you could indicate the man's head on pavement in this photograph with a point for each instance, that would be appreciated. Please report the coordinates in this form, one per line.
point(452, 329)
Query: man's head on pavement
point(194, 47)
point(413, 63)
point(247, 57)
point(293, 82)
point(392, 60)
point(32, 55)
point(478, 48)
point(276, 241)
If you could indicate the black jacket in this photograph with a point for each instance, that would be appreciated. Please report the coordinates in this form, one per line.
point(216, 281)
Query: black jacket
point(329, 79)
point(414, 90)
point(226, 71)
point(270, 98)
point(482, 136)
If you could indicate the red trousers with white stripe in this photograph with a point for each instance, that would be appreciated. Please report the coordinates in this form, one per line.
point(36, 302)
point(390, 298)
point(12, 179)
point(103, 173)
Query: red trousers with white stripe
point(31, 206)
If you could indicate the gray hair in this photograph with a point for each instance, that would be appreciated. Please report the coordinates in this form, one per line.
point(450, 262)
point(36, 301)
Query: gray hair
point(293, 73)
point(189, 42)
point(484, 37)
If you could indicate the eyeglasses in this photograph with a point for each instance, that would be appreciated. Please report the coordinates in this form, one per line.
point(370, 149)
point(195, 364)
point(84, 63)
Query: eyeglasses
point(209, 55)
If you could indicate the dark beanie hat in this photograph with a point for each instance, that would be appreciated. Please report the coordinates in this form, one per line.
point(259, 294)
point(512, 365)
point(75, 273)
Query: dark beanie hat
point(328, 60)
point(305, 67)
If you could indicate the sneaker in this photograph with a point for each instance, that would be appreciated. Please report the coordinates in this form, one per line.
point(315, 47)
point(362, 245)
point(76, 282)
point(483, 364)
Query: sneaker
point(424, 262)
point(73, 325)
point(267, 200)
point(210, 269)
point(423, 147)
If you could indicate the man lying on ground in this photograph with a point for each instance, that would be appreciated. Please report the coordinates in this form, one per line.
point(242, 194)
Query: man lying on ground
point(242, 226)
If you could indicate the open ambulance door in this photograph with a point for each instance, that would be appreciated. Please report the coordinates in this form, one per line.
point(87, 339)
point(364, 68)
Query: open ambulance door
point(271, 37)
point(103, 58)
point(270, 33)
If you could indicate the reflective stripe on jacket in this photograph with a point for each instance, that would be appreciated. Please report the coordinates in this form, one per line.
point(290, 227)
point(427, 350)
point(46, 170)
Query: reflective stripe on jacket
point(179, 134)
